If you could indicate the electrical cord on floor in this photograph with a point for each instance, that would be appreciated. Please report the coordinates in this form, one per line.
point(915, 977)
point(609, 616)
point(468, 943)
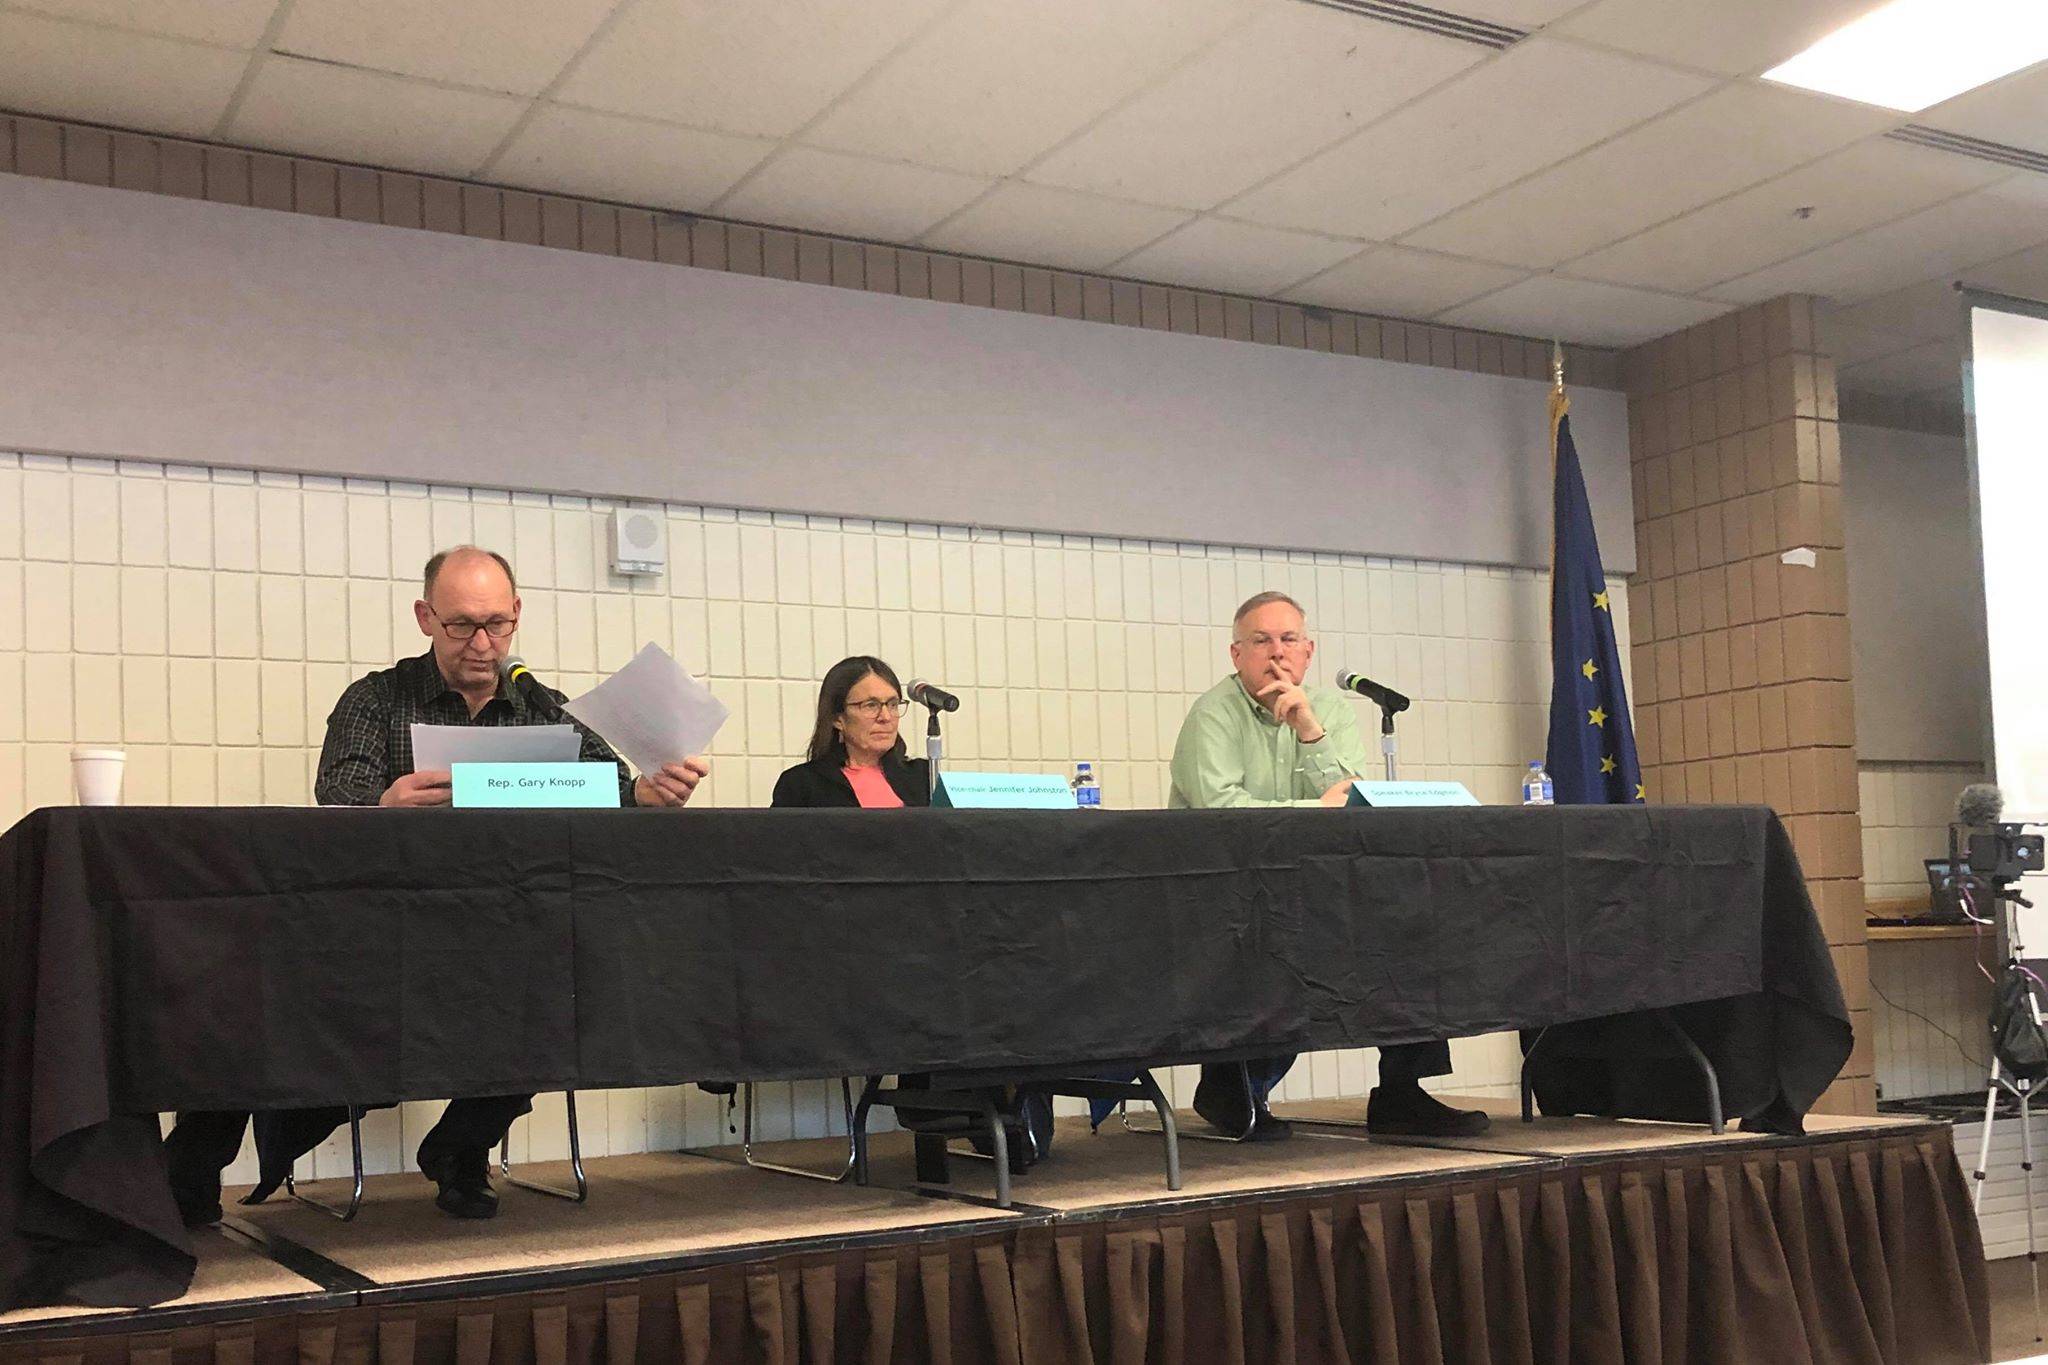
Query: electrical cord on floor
point(1981, 1063)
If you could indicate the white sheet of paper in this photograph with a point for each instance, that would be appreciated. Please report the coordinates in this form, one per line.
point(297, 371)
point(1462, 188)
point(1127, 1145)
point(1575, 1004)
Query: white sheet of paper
point(652, 711)
point(434, 747)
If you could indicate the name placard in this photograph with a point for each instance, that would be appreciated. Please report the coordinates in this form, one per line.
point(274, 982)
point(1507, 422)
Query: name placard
point(536, 785)
point(1003, 791)
point(1392, 795)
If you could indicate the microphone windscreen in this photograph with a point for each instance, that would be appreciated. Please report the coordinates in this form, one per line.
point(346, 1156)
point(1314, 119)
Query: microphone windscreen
point(1979, 804)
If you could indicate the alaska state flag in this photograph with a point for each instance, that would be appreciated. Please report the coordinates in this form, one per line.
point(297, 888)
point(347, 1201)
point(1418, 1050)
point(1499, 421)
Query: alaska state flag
point(1592, 753)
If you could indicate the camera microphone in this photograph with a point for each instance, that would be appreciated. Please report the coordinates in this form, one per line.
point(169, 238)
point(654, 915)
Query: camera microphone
point(1979, 805)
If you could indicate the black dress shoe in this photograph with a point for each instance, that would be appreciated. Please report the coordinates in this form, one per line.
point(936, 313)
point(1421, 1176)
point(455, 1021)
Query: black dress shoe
point(465, 1187)
point(1223, 1107)
point(197, 1207)
point(1410, 1111)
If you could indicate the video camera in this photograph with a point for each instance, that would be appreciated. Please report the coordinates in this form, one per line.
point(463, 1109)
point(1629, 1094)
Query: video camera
point(2005, 854)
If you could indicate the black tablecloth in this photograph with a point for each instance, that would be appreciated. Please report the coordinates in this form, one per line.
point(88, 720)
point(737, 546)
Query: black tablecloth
point(249, 958)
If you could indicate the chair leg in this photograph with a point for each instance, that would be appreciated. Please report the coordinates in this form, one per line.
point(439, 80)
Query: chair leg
point(355, 1199)
point(855, 1149)
point(575, 1196)
point(857, 1129)
point(999, 1141)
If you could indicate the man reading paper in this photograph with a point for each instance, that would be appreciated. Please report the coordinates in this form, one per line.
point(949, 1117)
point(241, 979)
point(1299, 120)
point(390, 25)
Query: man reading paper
point(468, 609)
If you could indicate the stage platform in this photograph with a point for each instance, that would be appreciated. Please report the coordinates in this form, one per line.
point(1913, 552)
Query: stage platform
point(1566, 1239)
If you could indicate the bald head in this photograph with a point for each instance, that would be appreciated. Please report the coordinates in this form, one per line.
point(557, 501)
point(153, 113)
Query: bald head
point(462, 556)
point(469, 593)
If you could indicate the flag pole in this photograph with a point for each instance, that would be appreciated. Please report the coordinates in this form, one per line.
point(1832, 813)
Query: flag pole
point(1556, 366)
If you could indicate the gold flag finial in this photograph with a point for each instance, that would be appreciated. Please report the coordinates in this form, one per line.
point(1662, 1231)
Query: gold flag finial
point(1556, 367)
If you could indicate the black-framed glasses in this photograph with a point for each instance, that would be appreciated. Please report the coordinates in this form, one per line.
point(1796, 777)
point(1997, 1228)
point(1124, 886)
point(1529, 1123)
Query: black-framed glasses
point(878, 706)
point(498, 627)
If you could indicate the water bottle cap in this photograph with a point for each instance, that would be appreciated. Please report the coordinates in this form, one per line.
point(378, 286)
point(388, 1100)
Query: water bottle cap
point(1535, 763)
point(1083, 767)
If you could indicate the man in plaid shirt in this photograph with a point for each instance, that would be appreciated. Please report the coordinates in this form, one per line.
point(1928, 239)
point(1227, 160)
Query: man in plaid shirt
point(468, 609)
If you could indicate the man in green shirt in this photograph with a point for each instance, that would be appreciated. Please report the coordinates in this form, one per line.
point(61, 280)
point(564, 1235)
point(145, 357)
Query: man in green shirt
point(1262, 737)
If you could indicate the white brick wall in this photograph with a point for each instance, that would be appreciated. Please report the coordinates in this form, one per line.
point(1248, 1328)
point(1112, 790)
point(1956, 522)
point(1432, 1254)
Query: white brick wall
point(206, 619)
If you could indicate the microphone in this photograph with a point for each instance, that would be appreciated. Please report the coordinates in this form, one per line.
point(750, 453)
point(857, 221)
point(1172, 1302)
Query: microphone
point(1386, 698)
point(514, 671)
point(936, 698)
point(1980, 804)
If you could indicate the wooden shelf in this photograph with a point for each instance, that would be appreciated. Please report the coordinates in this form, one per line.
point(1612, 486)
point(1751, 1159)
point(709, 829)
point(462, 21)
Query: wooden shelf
point(1912, 933)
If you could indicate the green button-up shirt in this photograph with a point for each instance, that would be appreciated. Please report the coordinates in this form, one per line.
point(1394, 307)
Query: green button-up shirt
point(1231, 752)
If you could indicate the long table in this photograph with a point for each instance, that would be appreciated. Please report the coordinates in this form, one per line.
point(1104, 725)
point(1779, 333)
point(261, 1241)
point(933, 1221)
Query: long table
point(157, 959)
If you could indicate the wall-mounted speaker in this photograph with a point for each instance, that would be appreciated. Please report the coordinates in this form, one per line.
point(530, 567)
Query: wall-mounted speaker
point(639, 541)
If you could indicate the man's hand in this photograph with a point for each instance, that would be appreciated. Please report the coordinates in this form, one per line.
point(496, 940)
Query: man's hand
point(430, 788)
point(1290, 706)
point(1339, 794)
point(672, 783)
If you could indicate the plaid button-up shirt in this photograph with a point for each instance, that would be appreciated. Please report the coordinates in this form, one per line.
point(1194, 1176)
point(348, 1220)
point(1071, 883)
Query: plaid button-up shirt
point(369, 735)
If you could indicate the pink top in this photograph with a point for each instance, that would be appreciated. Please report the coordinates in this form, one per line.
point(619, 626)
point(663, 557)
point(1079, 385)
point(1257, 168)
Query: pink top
point(872, 789)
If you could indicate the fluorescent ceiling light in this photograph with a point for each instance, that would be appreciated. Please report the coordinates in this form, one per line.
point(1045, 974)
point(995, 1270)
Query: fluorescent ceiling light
point(1909, 54)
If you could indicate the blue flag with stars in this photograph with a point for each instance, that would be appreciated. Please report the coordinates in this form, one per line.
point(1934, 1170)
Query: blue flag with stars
point(1592, 753)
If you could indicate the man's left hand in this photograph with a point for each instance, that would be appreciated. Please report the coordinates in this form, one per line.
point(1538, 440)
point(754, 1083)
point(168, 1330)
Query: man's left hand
point(672, 783)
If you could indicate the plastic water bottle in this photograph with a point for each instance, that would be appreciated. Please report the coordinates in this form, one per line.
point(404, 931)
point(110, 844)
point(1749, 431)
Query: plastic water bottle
point(1087, 794)
point(1537, 788)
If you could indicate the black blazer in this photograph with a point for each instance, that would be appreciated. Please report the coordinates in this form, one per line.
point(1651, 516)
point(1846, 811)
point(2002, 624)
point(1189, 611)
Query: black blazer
point(821, 783)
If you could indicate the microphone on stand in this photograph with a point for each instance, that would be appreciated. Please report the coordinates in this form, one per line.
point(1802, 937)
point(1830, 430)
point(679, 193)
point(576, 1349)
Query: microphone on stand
point(936, 698)
point(514, 671)
point(1386, 698)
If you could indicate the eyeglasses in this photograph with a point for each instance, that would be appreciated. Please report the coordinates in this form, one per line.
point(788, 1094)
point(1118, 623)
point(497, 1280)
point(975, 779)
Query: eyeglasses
point(878, 706)
point(498, 627)
point(1265, 643)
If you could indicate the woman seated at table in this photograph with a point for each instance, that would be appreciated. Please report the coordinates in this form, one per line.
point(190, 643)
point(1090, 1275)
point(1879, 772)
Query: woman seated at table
point(856, 759)
point(856, 754)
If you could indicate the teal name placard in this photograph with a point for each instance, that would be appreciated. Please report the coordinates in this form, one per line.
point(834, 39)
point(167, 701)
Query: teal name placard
point(536, 785)
point(1003, 791)
point(1390, 795)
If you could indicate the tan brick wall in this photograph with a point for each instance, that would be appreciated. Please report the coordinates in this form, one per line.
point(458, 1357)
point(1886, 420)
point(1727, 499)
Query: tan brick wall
point(1741, 662)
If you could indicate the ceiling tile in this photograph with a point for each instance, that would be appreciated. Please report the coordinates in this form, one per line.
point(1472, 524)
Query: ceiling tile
point(350, 115)
point(1238, 258)
point(1732, 37)
point(632, 161)
point(1213, 127)
point(132, 80)
point(1021, 222)
point(2014, 110)
point(1856, 188)
point(1524, 14)
point(1934, 367)
point(1536, 104)
point(998, 83)
point(1396, 282)
point(1733, 138)
point(885, 200)
point(1943, 241)
point(512, 45)
point(231, 23)
point(1581, 311)
point(740, 68)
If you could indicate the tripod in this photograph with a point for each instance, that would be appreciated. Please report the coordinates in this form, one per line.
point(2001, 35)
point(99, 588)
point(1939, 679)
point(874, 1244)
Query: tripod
point(2019, 1062)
